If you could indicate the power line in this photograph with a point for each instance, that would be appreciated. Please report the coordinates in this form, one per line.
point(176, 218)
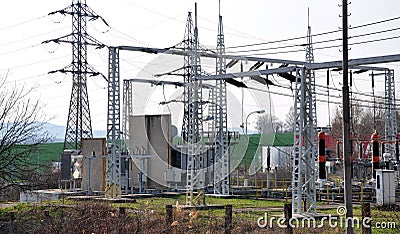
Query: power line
point(128, 36)
point(20, 49)
point(332, 96)
point(358, 93)
point(314, 35)
point(377, 22)
point(35, 36)
point(378, 105)
point(282, 40)
point(243, 35)
point(318, 42)
point(22, 23)
point(34, 63)
point(27, 78)
point(325, 47)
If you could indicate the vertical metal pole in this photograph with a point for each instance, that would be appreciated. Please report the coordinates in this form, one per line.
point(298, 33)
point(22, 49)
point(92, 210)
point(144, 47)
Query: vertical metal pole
point(346, 123)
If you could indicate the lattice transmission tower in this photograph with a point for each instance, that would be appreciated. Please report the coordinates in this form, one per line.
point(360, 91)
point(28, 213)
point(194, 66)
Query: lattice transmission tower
point(305, 138)
point(390, 113)
point(113, 159)
point(221, 156)
point(194, 144)
point(188, 45)
point(79, 122)
point(127, 111)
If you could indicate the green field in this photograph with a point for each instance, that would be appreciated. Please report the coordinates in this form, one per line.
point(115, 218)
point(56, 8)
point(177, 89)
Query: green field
point(47, 153)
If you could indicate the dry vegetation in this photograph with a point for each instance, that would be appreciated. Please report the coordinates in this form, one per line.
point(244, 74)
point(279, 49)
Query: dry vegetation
point(148, 215)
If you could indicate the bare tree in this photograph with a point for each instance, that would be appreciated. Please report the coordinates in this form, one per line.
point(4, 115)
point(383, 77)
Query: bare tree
point(363, 120)
point(20, 132)
point(289, 121)
point(269, 124)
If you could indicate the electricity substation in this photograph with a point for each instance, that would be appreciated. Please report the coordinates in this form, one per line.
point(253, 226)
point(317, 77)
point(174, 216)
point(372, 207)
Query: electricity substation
point(146, 154)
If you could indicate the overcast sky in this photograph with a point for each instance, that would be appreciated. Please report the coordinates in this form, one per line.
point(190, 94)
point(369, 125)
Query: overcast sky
point(157, 23)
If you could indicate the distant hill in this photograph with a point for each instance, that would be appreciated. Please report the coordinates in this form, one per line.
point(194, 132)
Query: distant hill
point(57, 132)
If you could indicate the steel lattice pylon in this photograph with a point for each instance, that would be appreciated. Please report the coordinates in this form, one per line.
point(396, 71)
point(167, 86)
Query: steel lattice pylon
point(79, 122)
point(113, 161)
point(127, 111)
point(311, 78)
point(211, 131)
point(304, 176)
point(211, 113)
point(221, 162)
point(188, 45)
point(194, 139)
point(390, 113)
point(305, 138)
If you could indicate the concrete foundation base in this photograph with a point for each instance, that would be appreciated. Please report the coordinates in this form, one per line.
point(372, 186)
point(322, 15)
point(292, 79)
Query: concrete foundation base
point(44, 195)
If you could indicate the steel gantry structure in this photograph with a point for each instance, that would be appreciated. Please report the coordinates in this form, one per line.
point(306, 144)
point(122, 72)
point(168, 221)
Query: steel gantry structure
point(188, 45)
point(113, 158)
point(195, 171)
point(303, 187)
point(305, 137)
point(390, 113)
point(303, 166)
point(79, 122)
point(221, 144)
point(127, 110)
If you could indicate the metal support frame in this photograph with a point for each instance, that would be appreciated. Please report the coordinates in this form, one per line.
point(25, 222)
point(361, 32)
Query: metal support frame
point(183, 52)
point(303, 174)
point(194, 141)
point(311, 78)
point(79, 121)
point(113, 159)
point(308, 117)
point(211, 133)
point(221, 156)
point(390, 113)
point(354, 63)
point(127, 111)
point(188, 45)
